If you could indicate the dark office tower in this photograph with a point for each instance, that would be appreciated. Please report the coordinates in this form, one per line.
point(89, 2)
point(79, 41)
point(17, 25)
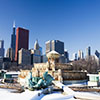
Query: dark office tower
point(97, 57)
point(66, 54)
point(2, 50)
point(97, 54)
point(13, 38)
point(55, 45)
point(22, 40)
point(88, 51)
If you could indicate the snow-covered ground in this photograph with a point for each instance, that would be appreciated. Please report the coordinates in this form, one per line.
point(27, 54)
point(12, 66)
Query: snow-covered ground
point(5, 94)
point(88, 95)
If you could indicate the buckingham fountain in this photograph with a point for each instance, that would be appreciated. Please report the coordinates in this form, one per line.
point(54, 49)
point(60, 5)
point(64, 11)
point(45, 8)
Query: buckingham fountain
point(60, 71)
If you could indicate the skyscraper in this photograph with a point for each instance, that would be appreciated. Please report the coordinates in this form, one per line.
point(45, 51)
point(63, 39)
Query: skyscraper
point(2, 50)
point(22, 40)
point(24, 57)
point(88, 51)
point(80, 55)
point(55, 45)
point(36, 45)
point(13, 38)
point(97, 54)
point(97, 57)
point(74, 56)
point(10, 54)
point(36, 53)
point(66, 54)
point(40, 48)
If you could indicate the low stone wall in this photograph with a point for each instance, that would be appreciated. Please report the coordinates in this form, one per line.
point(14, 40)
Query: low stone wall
point(40, 66)
point(63, 66)
point(43, 66)
point(74, 75)
point(66, 82)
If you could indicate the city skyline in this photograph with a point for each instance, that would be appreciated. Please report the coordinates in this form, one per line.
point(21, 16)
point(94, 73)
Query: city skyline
point(74, 22)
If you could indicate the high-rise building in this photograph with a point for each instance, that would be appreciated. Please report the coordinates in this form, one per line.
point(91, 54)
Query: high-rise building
point(10, 54)
point(36, 45)
point(55, 45)
point(80, 55)
point(24, 57)
point(40, 48)
point(88, 51)
point(36, 53)
point(97, 57)
point(22, 40)
point(2, 50)
point(48, 46)
point(1, 43)
point(74, 56)
point(5, 63)
point(13, 38)
point(62, 59)
point(97, 54)
point(66, 54)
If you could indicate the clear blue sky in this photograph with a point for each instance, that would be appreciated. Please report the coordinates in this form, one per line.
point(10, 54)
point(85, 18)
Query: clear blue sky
point(75, 22)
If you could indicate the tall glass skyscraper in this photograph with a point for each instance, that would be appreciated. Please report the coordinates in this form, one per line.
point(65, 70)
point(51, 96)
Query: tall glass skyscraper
point(13, 38)
point(88, 51)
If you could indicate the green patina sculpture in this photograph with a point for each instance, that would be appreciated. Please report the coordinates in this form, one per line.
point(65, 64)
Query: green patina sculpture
point(39, 82)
